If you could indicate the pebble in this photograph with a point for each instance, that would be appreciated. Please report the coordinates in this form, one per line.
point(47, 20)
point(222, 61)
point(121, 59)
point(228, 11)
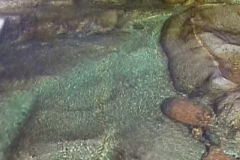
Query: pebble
point(186, 111)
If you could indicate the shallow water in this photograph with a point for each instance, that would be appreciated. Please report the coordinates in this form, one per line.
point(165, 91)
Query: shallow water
point(80, 87)
point(77, 86)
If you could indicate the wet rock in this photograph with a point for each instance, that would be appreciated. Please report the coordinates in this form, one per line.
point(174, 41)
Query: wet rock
point(17, 3)
point(212, 136)
point(102, 22)
point(62, 2)
point(116, 2)
point(174, 1)
point(53, 19)
point(109, 18)
point(203, 48)
point(228, 113)
point(185, 146)
point(185, 111)
point(185, 2)
point(231, 145)
point(216, 154)
point(50, 22)
point(24, 4)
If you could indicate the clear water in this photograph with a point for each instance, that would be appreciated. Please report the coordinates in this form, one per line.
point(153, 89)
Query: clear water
point(90, 96)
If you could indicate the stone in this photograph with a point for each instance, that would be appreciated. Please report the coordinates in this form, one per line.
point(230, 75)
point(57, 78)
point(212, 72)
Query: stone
point(186, 2)
point(216, 154)
point(228, 112)
point(202, 47)
point(174, 142)
point(185, 111)
point(108, 19)
point(174, 1)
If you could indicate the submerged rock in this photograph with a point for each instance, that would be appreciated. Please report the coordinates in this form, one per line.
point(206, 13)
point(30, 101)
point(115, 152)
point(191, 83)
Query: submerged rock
point(216, 154)
point(203, 48)
point(185, 111)
point(186, 2)
point(228, 112)
point(16, 3)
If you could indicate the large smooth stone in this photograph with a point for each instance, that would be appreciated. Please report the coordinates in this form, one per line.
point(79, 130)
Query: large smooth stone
point(202, 46)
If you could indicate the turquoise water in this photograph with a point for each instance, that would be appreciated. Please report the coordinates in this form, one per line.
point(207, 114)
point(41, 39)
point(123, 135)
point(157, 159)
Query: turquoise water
point(114, 94)
point(93, 94)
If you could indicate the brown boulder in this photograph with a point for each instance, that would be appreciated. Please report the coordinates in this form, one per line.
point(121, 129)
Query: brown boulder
point(185, 111)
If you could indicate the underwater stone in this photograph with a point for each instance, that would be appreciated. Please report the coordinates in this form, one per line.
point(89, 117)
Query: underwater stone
point(191, 41)
point(216, 154)
point(185, 111)
point(228, 112)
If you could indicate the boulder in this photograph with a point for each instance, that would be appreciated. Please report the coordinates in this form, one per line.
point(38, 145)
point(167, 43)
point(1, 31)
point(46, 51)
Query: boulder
point(203, 49)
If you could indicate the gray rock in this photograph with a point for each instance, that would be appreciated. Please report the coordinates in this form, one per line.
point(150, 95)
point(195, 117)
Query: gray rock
point(6, 4)
point(171, 144)
point(203, 50)
point(191, 41)
point(228, 111)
